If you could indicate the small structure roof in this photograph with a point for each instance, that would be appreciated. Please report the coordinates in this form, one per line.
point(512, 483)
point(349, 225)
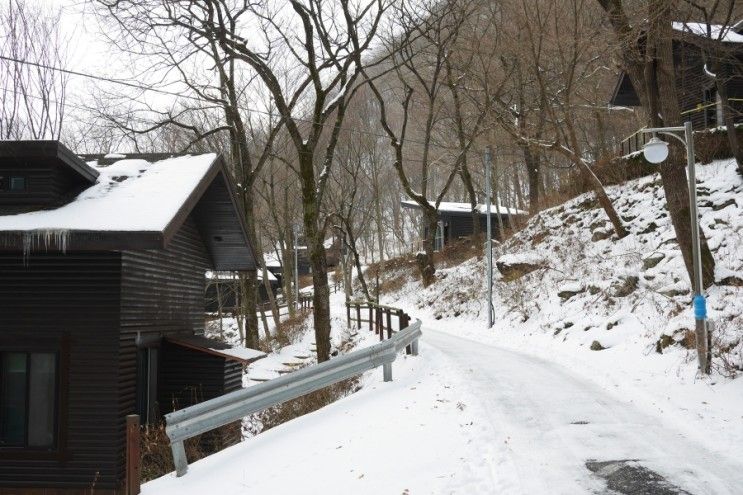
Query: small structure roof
point(466, 208)
point(717, 32)
point(211, 275)
point(243, 355)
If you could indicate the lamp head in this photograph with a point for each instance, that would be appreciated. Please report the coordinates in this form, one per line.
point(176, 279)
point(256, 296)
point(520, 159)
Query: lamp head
point(655, 150)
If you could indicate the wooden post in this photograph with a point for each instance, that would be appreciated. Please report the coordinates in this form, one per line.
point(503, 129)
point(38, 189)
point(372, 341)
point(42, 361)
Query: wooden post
point(404, 322)
point(133, 458)
point(380, 326)
point(371, 318)
point(348, 314)
point(358, 316)
point(389, 323)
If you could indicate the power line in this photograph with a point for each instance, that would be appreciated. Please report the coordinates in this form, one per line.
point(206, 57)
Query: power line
point(186, 96)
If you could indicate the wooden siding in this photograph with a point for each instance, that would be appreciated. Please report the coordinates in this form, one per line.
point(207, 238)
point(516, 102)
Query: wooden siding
point(73, 297)
point(162, 293)
point(48, 184)
point(218, 221)
point(188, 377)
point(457, 226)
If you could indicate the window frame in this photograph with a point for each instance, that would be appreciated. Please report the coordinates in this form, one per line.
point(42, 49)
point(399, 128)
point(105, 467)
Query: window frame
point(6, 185)
point(59, 451)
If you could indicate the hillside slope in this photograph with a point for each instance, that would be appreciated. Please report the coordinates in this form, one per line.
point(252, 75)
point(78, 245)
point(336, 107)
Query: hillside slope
point(589, 288)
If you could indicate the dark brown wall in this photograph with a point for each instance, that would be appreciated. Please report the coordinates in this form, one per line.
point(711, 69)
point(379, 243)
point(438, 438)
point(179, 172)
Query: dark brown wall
point(74, 295)
point(189, 376)
point(47, 184)
point(162, 292)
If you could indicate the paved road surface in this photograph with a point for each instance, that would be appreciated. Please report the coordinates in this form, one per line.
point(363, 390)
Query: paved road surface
point(560, 434)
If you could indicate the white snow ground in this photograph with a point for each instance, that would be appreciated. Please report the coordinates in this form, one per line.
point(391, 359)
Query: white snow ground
point(420, 433)
point(463, 417)
point(536, 401)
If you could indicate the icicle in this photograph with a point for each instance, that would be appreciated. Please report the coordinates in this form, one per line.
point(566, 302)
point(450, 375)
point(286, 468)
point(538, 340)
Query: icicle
point(52, 238)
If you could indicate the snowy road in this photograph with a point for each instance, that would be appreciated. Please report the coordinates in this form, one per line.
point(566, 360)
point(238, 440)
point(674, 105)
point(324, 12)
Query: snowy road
point(550, 426)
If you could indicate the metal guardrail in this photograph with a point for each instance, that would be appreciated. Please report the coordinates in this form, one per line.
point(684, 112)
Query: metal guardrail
point(208, 415)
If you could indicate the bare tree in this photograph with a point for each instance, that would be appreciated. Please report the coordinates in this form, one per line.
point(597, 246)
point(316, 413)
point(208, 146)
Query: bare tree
point(557, 48)
point(327, 41)
point(32, 92)
point(428, 36)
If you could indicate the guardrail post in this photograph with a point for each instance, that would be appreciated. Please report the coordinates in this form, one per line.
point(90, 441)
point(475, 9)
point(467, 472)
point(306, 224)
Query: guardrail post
point(348, 314)
point(133, 458)
point(414, 347)
point(404, 323)
point(387, 371)
point(179, 458)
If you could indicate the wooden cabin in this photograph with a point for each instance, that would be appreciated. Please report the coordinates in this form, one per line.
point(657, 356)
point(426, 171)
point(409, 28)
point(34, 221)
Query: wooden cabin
point(455, 220)
point(102, 296)
point(696, 87)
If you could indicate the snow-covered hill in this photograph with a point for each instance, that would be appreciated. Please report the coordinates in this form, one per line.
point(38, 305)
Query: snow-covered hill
point(589, 290)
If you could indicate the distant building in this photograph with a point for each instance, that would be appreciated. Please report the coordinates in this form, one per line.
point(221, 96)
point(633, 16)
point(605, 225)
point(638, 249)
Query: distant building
point(696, 87)
point(223, 291)
point(455, 220)
point(102, 302)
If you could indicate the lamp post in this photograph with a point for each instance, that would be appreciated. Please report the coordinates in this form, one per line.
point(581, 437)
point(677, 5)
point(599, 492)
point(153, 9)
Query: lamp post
point(656, 151)
point(489, 240)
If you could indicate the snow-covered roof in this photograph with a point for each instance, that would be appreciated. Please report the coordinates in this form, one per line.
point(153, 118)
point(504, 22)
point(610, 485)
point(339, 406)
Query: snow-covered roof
point(130, 195)
point(244, 355)
point(133, 203)
point(271, 260)
point(211, 275)
point(465, 208)
point(719, 32)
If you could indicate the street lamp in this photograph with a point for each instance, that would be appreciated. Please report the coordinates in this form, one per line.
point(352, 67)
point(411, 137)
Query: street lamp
point(656, 151)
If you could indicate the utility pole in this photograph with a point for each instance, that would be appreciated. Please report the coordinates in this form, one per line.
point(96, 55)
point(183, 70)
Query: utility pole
point(489, 240)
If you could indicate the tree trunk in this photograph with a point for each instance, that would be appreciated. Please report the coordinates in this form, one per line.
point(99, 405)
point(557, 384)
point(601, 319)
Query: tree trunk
point(721, 80)
point(248, 286)
point(378, 219)
point(318, 261)
point(533, 163)
point(672, 170)
point(425, 258)
point(468, 185)
point(271, 298)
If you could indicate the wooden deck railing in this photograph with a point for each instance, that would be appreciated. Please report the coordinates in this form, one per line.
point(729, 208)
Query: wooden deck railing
point(380, 319)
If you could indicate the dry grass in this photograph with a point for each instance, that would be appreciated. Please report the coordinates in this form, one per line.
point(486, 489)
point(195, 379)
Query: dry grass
point(157, 457)
point(306, 404)
point(456, 253)
point(287, 333)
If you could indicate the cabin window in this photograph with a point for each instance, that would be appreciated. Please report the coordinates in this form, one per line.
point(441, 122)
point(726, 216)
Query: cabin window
point(28, 399)
point(438, 241)
point(13, 183)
